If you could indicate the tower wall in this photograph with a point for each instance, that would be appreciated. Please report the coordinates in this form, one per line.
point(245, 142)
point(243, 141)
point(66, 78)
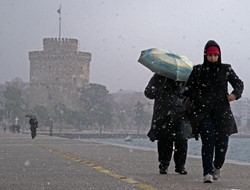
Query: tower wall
point(60, 69)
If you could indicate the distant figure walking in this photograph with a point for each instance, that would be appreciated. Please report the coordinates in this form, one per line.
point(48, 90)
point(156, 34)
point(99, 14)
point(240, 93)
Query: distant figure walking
point(33, 124)
point(4, 128)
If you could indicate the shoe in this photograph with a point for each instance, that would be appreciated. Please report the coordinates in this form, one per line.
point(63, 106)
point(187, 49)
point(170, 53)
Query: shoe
point(163, 171)
point(181, 171)
point(216, 174)
point(163, 168)
point(208, 178)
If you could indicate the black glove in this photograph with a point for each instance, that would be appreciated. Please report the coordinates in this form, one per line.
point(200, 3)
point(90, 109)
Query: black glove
point(151, 135)
point(195, 132)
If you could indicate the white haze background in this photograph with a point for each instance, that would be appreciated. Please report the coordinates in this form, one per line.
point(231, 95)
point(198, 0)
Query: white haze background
point(116, 31)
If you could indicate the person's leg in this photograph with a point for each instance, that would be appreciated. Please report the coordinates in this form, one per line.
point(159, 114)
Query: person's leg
point(180, 155)
point(221, 146)
point(165, 148)
point(207, 132)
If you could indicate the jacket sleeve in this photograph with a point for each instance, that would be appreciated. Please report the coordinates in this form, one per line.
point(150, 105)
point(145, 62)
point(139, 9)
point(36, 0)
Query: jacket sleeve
point(236, 82)
point(152, 89)
point(192, 82)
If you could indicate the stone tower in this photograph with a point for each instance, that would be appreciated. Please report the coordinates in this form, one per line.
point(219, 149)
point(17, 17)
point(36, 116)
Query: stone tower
point(57, 72)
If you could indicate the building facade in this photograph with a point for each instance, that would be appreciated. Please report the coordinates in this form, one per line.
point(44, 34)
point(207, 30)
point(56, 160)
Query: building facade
point(241, 111)
point(57, 72)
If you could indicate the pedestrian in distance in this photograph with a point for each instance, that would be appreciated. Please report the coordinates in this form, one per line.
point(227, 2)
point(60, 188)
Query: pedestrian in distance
point(4, 127)
point(209, 112)
point(169, 125)
point(33, 124)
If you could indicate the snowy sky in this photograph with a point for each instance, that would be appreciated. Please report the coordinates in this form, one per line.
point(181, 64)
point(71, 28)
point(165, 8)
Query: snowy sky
point(116, 31)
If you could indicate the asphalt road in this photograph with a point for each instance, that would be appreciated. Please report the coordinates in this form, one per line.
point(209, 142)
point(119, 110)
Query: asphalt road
point(56, 163)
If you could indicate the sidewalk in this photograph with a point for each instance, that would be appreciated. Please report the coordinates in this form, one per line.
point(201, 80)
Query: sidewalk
point(57, 163)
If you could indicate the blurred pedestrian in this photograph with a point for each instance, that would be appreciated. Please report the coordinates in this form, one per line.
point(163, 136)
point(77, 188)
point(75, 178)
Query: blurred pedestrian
point(33, 124)
point(4, 127)
point(210, 114)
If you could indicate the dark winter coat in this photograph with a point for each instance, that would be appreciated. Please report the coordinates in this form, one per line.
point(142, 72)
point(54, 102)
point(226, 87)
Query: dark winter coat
point(168, 120)
point(33, 122)
point(207, 87)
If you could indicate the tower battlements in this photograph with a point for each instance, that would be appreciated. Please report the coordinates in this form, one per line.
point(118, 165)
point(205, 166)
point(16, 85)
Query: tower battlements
point(57, 45)
point(38, 55)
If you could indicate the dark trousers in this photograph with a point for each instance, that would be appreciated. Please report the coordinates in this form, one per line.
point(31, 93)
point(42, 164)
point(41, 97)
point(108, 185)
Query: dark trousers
point(165, 149)
point(214, 148)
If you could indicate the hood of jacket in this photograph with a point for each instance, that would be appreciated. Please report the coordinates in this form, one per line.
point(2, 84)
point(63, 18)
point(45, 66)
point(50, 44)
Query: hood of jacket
point(208, 44)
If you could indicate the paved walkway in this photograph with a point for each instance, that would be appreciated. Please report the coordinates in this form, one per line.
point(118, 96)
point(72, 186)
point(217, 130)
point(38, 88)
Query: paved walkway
point(55, 163)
